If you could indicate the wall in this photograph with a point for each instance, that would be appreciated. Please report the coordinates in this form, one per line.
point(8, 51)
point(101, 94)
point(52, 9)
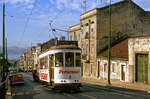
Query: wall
point(127, 18)
point(137, 45)
point(115, 69)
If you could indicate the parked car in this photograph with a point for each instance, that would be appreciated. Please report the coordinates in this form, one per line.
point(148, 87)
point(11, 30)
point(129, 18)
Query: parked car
point(16, 78)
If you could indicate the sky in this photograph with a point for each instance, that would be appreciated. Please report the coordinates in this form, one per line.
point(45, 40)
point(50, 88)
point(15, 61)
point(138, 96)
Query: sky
point(27, 21)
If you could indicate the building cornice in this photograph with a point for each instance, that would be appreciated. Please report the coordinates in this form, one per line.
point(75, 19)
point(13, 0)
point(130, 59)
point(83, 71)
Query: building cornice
point(75, 27)
point(88, 14)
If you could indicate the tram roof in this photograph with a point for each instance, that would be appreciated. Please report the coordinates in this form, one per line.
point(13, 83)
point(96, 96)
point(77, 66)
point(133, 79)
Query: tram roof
point(60, 48)
point(65, 47)
point(59, 44)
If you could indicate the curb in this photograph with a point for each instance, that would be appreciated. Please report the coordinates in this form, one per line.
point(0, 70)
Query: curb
point(147, 90)
point(110, 88)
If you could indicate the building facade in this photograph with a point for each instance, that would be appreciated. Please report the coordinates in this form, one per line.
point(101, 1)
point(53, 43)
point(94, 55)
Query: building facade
point(127, 19)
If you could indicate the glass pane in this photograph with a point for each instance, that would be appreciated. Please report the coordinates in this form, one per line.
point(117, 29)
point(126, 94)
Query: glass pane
point(59, 59)
point(51, 60)
point(69, 59)
point(43, 63)
point(78, 59)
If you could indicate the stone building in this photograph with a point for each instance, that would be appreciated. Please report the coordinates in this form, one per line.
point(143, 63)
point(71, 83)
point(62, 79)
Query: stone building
point(36, 51)
point(127, 19)
point(21, 62)
point(27, 59)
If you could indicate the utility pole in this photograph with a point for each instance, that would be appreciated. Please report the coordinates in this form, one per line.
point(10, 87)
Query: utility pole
point(4, 54)
point(4, 31)
point(109, 45)
point(6, 50)
point(89, 39)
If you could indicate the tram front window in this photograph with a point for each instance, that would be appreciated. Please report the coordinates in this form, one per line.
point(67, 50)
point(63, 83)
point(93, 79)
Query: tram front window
point(59, 59)
point(78, 59)
point(69, 59)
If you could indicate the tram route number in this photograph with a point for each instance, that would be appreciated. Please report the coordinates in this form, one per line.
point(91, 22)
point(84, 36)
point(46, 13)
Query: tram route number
point(44, 76)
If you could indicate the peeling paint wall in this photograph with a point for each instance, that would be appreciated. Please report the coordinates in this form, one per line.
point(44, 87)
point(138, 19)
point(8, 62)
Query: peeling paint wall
point(138, 45)
point(115, 69)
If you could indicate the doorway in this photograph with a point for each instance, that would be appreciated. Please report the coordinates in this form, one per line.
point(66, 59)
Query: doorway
point(142, 68)
point(123, 70)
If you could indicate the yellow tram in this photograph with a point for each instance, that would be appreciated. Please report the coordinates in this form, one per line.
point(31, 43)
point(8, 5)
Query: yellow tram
point(60, 66)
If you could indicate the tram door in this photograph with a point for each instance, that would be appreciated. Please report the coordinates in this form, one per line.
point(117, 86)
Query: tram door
point(51, 68)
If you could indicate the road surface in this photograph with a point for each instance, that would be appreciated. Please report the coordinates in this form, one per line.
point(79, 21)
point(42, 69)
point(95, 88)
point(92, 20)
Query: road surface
point(34, 90)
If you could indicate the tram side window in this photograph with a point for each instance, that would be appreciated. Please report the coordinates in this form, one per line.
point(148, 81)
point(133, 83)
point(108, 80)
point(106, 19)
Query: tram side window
point(78, 59)
point(43, 63)
point(69, 59)
point(51, 60)
point(59, 59)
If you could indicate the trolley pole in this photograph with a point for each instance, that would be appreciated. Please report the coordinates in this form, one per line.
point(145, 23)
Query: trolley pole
point(109, 45)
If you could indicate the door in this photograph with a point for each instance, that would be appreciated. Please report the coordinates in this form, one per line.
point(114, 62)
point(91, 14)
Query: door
point(142, 68)
point(123, 70)
point(51, 68)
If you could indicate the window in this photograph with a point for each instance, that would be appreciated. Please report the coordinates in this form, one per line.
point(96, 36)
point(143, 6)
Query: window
point(59, 59)
point(51, 60)
point(92, 29)
point(75, 37)
point(98, 68)
point(78, 59)
point(69, 59)
point(43, 63)
point(105, 67)
point(86, 35)
point(86, 24)
point(113, 67)
point(70, 37)
point(91, 68)
point(92, 22)
point(78, 37)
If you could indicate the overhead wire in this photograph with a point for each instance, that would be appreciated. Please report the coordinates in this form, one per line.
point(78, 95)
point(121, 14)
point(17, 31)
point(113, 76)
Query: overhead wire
point(27, 21)
point(52, 21)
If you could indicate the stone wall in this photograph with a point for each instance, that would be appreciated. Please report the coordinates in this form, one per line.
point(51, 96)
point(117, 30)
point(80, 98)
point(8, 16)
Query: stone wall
point(116, 72)
point(138, 45)
point(119, 50)
point(127, 18)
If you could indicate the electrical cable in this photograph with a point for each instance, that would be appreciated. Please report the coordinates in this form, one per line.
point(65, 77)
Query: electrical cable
point(27, 21)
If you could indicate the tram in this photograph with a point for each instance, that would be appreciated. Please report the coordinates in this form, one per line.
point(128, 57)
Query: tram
point(60, 66)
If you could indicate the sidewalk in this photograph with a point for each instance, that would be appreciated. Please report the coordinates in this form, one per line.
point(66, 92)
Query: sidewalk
point(118, 84)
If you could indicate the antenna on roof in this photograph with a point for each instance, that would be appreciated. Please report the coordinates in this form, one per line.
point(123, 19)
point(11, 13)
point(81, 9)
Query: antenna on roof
point(84, 5)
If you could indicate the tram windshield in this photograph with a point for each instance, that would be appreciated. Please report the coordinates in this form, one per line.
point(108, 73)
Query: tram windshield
point(69, 57)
